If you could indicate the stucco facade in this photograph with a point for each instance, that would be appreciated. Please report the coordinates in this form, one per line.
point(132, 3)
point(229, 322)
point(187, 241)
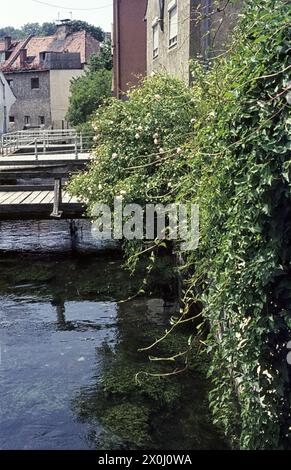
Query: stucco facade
point(203, 30)
point(7, 99)
point(60, 81)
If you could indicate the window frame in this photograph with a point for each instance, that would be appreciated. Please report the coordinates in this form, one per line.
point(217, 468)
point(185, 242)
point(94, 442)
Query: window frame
point(156, 38)
point(31, 82)
point(27, 120)
point(173, 39)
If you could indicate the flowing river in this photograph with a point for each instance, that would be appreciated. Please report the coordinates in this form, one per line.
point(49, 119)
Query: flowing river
point(71, 374)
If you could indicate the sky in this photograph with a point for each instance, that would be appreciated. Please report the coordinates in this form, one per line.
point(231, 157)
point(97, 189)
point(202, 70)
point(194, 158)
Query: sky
point(18, 12)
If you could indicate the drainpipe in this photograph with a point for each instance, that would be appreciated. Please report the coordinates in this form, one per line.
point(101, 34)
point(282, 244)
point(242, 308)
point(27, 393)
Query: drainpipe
point(117, 47)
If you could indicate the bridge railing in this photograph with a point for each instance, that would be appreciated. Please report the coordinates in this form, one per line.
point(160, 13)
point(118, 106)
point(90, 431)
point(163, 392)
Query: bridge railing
point(45, 142)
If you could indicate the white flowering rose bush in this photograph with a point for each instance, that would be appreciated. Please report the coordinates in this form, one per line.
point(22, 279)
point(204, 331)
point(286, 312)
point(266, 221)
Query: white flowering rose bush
point(139, 144)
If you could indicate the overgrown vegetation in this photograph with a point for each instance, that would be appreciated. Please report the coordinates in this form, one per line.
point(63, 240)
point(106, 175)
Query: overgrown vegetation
point(87, 93)
point(224, 144)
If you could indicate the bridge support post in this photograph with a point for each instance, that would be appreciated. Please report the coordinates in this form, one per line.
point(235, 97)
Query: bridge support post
point(81, 142)
point(57, 213)
point(35, 149)
point(76, 147)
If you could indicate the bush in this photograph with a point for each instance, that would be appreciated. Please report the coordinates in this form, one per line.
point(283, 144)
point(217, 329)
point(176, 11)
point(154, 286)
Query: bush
point(87, 94)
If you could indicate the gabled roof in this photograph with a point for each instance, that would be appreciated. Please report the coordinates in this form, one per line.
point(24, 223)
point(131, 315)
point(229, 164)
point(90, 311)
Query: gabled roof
point(79, 42)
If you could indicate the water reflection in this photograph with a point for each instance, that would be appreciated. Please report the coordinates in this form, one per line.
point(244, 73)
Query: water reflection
point(69, 357)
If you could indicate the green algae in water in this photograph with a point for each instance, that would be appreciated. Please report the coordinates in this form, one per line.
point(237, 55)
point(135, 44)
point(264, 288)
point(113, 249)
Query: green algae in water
point(129, 422)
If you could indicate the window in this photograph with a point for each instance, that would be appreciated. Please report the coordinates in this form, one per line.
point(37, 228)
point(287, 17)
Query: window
point(34, 83)
point(26, 120)
point(10, 83)
point(11, 119)
point(2, 57)
point(155, 40)
point(42, 56)
point(41, 120)
point(173, 24)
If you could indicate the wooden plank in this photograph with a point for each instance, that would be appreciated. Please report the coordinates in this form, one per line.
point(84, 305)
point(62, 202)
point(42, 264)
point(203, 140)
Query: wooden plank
point(4, 196)
point(12, 197)
point(39, 211)
point(49, 198)
point(23, 174)
point(22, 195)
point(25, 187)
point(33, 195)
point(66, 197)
point(40, 197)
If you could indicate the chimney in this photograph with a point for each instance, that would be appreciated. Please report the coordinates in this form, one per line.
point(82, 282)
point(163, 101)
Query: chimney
point(22, 57)
point(7, 40)
point(63, 30)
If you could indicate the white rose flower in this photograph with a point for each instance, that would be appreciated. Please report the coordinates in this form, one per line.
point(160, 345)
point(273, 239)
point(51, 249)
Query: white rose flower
point(161, 150)
point(137, 136)
point(156, 141)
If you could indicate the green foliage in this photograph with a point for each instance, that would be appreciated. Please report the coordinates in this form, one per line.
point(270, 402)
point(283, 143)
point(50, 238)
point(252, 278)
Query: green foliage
point(95, 31)
point(224, 144)
point(49, 28)
point(87, 94)
point(102, 60)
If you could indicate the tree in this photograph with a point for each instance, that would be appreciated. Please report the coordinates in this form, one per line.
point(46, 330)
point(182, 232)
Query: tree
point(102, 60)
point(87, 93)
point(34, 29)
point(9, 31)
point(48, 29)
point(95, 31)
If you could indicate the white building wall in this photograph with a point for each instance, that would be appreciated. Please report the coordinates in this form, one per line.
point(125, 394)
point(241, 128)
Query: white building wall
point(7, 99)
point(60, 81)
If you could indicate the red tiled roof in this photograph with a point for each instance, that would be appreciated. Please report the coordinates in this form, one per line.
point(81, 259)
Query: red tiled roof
point(80, 41)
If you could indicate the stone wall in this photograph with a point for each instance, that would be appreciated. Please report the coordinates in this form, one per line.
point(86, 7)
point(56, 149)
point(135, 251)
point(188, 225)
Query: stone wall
point(30, 102)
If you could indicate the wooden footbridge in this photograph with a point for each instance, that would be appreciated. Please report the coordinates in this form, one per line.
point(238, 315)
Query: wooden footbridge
point(34, 168)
